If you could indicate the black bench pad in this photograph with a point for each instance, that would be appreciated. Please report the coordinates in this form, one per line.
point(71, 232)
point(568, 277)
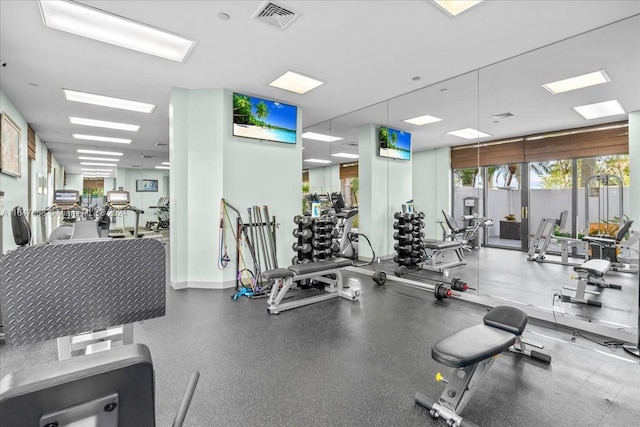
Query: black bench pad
point(442, 245)
point(508, 318)
point(313, 267)
point(597, 267)
point(471, 345)
point(278, 273)
point(342, 262)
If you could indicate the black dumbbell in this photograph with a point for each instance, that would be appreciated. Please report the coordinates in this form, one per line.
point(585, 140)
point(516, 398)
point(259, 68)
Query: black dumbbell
point(320, 252)
point(398, 215)
point(399, 247)
point(304, 233)
point(304, 220)
point(304, 248)
point(294, 260)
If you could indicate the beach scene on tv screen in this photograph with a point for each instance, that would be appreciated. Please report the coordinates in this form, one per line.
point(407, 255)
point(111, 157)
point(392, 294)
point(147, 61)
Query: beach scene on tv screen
point(395, 143)
point(263, 119)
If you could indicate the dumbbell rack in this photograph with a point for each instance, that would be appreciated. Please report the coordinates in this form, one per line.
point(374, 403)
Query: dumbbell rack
point(409, 245)
point(316, 239)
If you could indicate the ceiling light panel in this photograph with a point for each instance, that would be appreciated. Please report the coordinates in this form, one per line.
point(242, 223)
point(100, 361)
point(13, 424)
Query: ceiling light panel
point(96, 170)
point(317, 161)
point(163, 167)
point(320, 137)
point(345, 155)
point(99, 159)
point(101, 138)
point(600, 109)
point(99, 25)
point(578, 82)
point(165, 163)
point(106, 153)
point(422, 120)
point(468, 133)
point(103, 124)
point(98, 164)
point(296, 83)
point(107, 101)
point(456, 7)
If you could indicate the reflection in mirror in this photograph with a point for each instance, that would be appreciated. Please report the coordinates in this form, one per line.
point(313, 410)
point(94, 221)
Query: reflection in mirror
point(554, 176)
point(316, 161)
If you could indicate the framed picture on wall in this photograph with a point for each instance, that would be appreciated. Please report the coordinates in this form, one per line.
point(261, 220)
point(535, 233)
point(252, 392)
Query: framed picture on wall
point(147, 185)
point(9, 146)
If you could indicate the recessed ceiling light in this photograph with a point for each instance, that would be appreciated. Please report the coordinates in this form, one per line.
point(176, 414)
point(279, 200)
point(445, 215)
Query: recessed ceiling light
point(107, 153)
point(456, 7)
point(163, 167)
point(100, 159)
point(346, 155)
point(165, 163)
point(578, 82)
point(99, 25)
point(297, 83)
point(600, 109)
point(107, 101)
point(468, 133)
point(320, 137)
point(97, 164)
point(317, 161)
point(101, 138)
point(423, 120)
point(96, 170)
point(103, 124)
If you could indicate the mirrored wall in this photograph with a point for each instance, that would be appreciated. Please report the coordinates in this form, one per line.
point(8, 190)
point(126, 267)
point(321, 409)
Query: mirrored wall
point(516, 168)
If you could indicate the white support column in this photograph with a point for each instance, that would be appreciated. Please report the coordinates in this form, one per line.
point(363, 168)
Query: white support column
point(385, 184)
point(196, 152)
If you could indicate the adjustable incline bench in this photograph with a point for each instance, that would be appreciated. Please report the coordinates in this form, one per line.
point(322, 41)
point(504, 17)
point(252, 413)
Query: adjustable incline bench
point(437, 255)
point(590, 273)
point(318, 271)
point(472, 351)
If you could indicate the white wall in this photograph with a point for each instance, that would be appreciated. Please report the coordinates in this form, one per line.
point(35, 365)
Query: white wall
point(207, 164)
point(432, 188)
point(323, 180)
point(16, 188)
point(264, 173)
point(126, 178)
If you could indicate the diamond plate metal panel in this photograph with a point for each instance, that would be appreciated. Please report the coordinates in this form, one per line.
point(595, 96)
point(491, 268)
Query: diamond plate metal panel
point(50, 291)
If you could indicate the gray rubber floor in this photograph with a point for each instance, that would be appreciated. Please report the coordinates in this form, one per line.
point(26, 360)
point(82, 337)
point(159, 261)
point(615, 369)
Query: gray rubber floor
point(342, 363)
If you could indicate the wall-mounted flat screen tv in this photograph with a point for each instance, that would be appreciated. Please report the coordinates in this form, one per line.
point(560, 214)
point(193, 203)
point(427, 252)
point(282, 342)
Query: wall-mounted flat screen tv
point(262, 119)
point(147, 185)
point(395, 143)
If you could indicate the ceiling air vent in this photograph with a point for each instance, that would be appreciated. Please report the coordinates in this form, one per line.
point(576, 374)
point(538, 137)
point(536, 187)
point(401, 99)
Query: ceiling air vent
point(350, 144)
point(276, 15)
point(502, 116)
point(147, 156)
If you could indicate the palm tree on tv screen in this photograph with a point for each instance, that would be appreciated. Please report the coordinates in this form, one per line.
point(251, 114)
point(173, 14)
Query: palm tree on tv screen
point(241, 109)
point(262, 111)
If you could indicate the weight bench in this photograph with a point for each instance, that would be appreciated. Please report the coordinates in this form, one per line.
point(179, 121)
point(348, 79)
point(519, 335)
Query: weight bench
point(590, 273)
point(320, 271)
point(437, 255)
point(472, 351)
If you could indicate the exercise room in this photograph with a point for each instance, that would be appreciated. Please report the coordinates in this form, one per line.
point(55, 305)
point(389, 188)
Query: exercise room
point(256, 213)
